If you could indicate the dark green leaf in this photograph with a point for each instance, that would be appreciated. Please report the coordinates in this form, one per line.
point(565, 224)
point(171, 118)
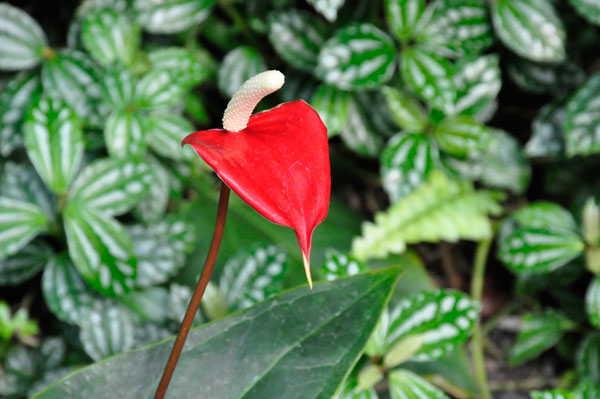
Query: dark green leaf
point(171, 16)
point(239, 65)
point(100, 249)
point(587, 389)
point(20, 222)
point(359, 134)
point(358, 56)
point(25, 263)
point(21, 39)
point(588, 357)
point(540, 78)
point(341, 313)
point(406, 163)
point(592, 302)
point(548, 135)
point(589, 9)
point(297, 37)
point(583, 119)
point(333, 107)
point(531, 28)
point(537, 334)
point(54, 142)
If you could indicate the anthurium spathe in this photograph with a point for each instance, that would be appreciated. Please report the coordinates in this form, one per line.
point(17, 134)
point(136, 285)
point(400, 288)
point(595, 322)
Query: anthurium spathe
point(276, 160)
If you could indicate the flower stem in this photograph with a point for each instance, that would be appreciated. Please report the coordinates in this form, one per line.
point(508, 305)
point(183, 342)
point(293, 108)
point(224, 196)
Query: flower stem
point(481, 255)
point(209, 265)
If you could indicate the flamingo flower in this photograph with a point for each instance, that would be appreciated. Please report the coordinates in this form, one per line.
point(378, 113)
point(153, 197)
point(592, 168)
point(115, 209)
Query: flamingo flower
point(277, 160)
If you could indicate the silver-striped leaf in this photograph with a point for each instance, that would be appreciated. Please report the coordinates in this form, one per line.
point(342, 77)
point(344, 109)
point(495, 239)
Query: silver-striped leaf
point(24, 264)
point(66, 294)
point(547, 132)
point(530, 28)
point(118, 86)
point(592, 302)
point(406, 163)
point(430, 77)
point(106, 331)
point(21, 182)
point(297, 36)
point(537, 334)
point(327, 8)
point(72, 76)
point(359, 134)
point(405, 17)
point(553, 394)
point(125, 134)
point(588, 357)
point(112, 186)
point(442, 320)
point(541, 78)
point(333, 106)
point(587, 389)
point(100, 249)
point(21, 39)
point(405, 109)
point(171, 16)
point(110, 36)
point(583, 120)
point(239, 65)
point(461, 135)
point(405, 384)
point(150, 304)
point(358, 56)
point(187, 65)
point(20, 222)
point(338, 265)
point(478, 82)
point(161, 250)
point(459, 27)
point(253, 275)
point(350, 390)
point(588, 9)
point(14, 101)
point(177, 303)
point(164, 133)
point(546, 237)
point(376, 346)
point(154, 204)
point(54, 142)
point(159, 88)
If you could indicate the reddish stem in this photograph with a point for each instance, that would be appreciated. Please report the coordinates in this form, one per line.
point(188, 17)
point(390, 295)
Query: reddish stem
point(209, 265)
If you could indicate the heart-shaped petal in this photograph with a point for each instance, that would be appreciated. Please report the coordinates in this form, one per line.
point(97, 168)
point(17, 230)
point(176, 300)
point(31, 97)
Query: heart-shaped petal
point(278, 164)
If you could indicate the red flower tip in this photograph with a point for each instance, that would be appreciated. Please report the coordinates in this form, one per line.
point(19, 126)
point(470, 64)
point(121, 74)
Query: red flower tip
point(278, 163)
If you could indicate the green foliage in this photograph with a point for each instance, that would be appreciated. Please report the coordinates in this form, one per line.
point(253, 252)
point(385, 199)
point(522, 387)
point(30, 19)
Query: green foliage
point(19, 323)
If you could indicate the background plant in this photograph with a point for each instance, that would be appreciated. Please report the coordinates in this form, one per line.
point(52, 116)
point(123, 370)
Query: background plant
point(449, 121)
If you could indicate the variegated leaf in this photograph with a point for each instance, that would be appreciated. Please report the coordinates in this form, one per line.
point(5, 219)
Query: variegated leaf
point(297, 36)
point(124, 134)
point(177, 303)
point(583, 120)
point(54, 142)
point(110, 36)
point(404, 17)
point(100, 249)
point(376, 344)
point(327, 8)
point(359, 134)
point(239, 65)
point(592, 302)
point(161, 249)
point(253, 275)
point(587, 389)
point(406, 163)
point(461, 135)
point(14, 101)
point(112, 186)
point(165, 133)
point(72, 76)
point(531, 28)
point(430, 77)
point(442, 320)
point(159, 88)
point(333, 106)
point(548, 134)
point(65, 292)
point(21, 39)
point(589, 9)
point(150, 304)
point(106, 331)
point(553, 394)
point(358, 56)
point(118, 86)
point(153, 206)
point(21, 182)
point(25, 263)
point(406, 110)
point(541, 78)
point(588, 357)
point(188, 67)
point(546, 238)
point(338, 265)
point(171, 16)
point(350, 390)
point(477, 83)
point(405, 384)
point(537, 334)
point(20, 222)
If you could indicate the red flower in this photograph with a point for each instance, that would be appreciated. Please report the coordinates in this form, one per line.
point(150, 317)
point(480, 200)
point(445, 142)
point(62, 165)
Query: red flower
point(278, 163)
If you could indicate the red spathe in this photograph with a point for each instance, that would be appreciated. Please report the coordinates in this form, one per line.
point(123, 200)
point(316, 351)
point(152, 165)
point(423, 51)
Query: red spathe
point(279, 165)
